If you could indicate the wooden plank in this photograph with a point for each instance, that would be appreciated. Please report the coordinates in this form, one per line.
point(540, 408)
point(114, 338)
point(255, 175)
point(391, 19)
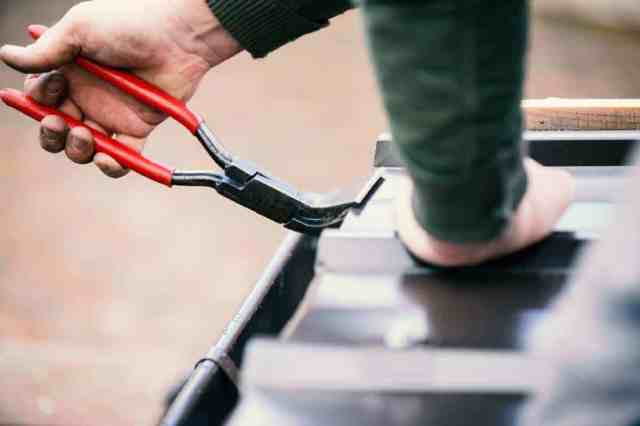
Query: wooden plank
point(582, 114)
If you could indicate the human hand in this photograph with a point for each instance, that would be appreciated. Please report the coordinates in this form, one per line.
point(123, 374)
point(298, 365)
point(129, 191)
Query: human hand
point(548, 195)
point(169, 43)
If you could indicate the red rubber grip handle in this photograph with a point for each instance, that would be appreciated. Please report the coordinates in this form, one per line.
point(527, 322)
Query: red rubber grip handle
point(123, 154)
point(141, 90)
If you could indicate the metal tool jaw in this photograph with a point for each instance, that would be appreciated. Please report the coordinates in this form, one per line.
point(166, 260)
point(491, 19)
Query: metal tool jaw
point(245, 184)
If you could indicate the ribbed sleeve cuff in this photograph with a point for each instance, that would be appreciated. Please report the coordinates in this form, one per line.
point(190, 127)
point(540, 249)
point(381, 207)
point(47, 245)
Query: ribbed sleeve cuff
point(261, 26)
point(476, 209)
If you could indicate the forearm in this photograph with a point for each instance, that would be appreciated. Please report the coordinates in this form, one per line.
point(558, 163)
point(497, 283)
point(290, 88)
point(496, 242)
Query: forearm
point(262, 26)
point(451, 73)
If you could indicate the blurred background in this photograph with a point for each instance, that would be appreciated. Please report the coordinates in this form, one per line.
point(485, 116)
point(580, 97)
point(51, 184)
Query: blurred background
point(110, 291)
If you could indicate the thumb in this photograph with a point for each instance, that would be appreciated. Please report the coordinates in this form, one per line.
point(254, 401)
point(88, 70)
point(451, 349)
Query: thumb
point(56, 47)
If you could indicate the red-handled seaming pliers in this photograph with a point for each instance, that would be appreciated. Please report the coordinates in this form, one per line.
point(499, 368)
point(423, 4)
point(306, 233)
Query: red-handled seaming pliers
point(241, 182)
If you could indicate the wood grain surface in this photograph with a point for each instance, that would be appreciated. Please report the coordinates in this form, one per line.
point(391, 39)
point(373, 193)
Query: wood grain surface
point(582, 114)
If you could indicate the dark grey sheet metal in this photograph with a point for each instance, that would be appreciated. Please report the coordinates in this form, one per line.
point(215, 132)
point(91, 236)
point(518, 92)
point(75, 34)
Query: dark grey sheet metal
point(386, 340)
point(552, 148)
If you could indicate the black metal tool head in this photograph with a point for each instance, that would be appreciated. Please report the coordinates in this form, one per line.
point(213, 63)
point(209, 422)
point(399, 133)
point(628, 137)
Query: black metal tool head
point(251, 187)
point(275, 200)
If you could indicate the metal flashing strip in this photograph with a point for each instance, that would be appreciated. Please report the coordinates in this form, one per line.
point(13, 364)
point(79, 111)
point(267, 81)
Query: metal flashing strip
point(602, 135)
point(551, 148)
point(384, 253)
point(273, 365)
point(357, 292)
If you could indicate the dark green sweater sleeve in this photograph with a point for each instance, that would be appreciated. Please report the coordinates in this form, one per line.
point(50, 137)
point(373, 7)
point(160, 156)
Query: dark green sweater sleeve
point(451, 74)
point(261, 26)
